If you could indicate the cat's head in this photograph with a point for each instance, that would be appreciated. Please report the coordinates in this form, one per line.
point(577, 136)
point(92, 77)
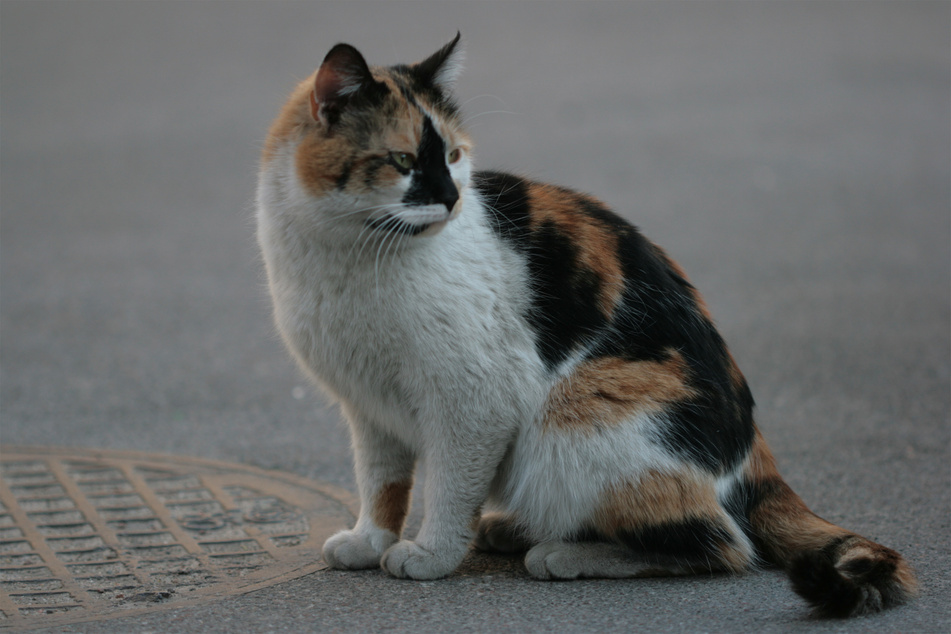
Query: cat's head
point(379, 148)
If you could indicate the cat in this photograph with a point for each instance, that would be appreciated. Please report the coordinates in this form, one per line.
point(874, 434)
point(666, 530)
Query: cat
point(552, 367)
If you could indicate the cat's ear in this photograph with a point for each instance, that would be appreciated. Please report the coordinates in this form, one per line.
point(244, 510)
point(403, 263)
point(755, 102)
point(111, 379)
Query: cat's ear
point(442, 68)
point(342, 75)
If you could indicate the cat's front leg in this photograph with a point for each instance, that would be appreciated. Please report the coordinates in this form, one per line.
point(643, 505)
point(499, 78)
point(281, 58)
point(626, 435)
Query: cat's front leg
point(457, 483)
point(384, 469)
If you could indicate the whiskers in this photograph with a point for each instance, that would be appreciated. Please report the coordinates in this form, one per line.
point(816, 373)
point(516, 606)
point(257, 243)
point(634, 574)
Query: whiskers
point(381, 229)
point(472, 117)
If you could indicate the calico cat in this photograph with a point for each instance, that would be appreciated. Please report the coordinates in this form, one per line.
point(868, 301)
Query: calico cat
point(545, 359)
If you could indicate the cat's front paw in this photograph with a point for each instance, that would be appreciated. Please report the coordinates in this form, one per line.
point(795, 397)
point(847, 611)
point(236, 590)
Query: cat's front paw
point(350, 550)
point(408, 560)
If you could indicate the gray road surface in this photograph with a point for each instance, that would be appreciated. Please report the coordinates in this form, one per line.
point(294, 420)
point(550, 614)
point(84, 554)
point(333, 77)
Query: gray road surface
point(794, 157)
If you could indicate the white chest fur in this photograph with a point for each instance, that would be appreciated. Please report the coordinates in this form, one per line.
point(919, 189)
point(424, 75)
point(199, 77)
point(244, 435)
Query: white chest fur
point(408, 333)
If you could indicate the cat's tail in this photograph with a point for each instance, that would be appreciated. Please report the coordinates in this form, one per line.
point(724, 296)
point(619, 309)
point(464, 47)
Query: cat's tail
point(840, 573)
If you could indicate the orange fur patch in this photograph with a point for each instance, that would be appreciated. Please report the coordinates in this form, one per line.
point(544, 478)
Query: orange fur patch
point(596, 242)
point(321, 161)
point(608, 391)
point(391, 505)
point(658, 498)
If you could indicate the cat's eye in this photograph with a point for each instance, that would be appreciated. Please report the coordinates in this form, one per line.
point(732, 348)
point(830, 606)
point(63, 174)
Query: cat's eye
point(403, 160)
point(455, 155)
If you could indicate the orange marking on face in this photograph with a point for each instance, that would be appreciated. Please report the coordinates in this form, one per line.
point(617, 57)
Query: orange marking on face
point(608, 391)
point(596, 242)
point(320, 160)
point(390, 506)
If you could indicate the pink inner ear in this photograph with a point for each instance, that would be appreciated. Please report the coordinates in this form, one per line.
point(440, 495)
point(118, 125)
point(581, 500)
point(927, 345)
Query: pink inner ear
point(328, 83)
point(327, 87)
point(342, 74)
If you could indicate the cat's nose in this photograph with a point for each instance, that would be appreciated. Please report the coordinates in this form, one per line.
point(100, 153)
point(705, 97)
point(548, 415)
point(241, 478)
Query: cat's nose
point(449, 199)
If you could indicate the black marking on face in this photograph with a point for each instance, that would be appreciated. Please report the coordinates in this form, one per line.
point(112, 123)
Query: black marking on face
point(411, 84)
point(432, 184)
point(370, 171)
point(344, 177)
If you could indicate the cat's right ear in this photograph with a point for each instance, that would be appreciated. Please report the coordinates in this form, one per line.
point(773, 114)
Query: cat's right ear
point(341, 75)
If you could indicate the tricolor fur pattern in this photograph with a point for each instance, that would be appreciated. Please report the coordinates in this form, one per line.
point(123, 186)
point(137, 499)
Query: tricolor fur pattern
point(557, 372)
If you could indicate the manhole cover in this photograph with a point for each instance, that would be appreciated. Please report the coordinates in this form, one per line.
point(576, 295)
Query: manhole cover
point(95, 534)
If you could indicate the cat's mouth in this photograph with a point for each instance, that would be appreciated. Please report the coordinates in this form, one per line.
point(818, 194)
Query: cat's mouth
point(391, 224)
point(429, 225)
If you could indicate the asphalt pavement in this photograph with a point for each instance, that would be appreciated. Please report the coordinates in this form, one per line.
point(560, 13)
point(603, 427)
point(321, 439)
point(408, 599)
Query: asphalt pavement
point(794, 157)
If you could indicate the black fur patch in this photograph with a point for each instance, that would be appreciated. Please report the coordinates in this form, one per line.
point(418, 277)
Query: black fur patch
point(707, 432)
point(859, 585)
point(830, 594)
point(564, 309)
point(506, 198)
point(693, 541)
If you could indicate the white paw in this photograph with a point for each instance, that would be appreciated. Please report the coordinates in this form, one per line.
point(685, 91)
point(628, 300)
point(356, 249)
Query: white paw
point(407, 560)
point(349, 550)
point(553, 560)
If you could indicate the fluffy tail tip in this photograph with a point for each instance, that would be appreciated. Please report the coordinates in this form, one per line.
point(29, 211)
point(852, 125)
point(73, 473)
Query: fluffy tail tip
point(854, 587)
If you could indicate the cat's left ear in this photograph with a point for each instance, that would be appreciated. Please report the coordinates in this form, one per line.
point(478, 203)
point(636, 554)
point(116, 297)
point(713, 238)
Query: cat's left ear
point(342, 75)
point(442, 68)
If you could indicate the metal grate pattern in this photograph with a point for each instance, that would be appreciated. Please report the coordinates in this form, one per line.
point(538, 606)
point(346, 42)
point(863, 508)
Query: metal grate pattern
point(86, 535)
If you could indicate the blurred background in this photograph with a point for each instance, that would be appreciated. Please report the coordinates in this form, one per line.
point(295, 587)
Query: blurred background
point(795, 157)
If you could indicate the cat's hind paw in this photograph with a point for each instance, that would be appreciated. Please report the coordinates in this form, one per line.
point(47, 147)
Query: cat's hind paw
point(552, 560)
point(408, 560)
point(591, 560)
point(350, 550)
point(499, 533)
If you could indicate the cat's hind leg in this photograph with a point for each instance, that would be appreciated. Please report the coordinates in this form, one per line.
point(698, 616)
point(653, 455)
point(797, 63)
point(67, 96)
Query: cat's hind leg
point(500, 533)
point(658, 524)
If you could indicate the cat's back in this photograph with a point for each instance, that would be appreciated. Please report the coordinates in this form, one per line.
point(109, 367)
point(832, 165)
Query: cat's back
point(596, 281)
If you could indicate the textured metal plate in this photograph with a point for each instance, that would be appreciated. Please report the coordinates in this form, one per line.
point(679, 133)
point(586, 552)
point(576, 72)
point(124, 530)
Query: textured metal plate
point(86, 535)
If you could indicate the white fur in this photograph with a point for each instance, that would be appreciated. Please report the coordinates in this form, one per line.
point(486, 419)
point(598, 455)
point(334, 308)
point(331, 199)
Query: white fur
point(422, 341)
